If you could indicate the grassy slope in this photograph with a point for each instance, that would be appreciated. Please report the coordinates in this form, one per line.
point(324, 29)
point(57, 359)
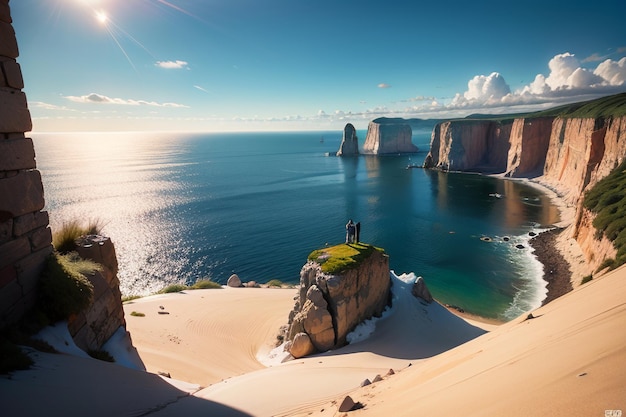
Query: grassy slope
point(608, 201)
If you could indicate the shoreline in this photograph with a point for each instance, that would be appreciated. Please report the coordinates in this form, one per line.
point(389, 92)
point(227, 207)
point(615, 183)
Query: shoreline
point(549, 247)
point(556, 269)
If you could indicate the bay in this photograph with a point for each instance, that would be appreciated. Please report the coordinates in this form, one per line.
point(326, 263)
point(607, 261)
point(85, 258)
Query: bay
point(180, 207)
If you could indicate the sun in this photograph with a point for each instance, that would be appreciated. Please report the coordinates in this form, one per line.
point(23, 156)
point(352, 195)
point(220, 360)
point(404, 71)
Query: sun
point(101, 17)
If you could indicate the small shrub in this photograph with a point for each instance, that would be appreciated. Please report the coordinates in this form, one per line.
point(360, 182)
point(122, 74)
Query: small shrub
point(586, 279)
point(64, 240)
point(607, 263)
point(275, 283)
point(137, 314)
point(101, 355)
point(130, 298)
point(205, 284)
point(64, 290)
point(173, 288)
point(12, 358)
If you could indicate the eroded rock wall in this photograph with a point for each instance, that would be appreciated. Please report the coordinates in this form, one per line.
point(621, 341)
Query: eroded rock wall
point(569, 155)
point(93, 327)
point(469, 145)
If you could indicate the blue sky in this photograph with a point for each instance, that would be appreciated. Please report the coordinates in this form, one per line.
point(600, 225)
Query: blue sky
point(223, 65)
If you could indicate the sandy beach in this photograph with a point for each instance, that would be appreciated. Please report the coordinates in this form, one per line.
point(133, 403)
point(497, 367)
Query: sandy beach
point(209, 352)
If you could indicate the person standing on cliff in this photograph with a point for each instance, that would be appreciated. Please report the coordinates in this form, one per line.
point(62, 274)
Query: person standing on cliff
point(350, 231)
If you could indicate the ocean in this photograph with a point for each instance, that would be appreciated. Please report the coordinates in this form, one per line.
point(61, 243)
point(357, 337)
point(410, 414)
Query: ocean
point(182, 207)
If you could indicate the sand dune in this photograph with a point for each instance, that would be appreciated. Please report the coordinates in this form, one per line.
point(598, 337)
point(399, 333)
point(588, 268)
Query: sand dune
point(567, 361)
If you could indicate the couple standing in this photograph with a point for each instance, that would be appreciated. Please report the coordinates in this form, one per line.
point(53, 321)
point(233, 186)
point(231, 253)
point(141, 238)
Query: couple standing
point(353, 231)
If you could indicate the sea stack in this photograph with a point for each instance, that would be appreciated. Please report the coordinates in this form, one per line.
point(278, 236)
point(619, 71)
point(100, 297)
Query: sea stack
point(388, 136)
point(349, 143)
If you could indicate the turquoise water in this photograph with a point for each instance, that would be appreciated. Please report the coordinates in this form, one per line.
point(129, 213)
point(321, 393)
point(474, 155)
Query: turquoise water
point(180, 207)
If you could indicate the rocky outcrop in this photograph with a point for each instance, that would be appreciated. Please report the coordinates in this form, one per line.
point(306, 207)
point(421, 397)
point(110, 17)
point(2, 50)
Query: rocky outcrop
point(93, 327)
point(388, 136)
point(569, 155)
point(349, 143)
point(329, 306)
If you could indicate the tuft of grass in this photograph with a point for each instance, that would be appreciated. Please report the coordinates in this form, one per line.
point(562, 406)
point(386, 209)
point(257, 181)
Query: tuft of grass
point(205, 284)
point(342, 257)
point(607, 199)
point(275, 283)
point(173, 288)
point(131, 297)
point(64, 240)
point(137, 314)
point(12, 358)
point(586, 279)
point(64, 289)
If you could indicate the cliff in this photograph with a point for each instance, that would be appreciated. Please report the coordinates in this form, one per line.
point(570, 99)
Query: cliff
point(340, 287)
point(567, 154)
point(349, 142)
point(388, 136)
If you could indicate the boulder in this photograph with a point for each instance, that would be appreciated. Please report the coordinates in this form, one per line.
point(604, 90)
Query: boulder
point(420, 290)
point(234, 281)
point(301, 346)
point(347, 404)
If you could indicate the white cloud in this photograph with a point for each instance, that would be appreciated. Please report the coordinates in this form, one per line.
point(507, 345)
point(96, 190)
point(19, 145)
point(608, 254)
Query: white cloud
point(614, 72)
point(95, 98)
point(384, 85)
point(486, 89)
point(172, 64)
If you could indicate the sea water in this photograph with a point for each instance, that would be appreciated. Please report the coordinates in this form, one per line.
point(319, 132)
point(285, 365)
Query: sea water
point(181, 207)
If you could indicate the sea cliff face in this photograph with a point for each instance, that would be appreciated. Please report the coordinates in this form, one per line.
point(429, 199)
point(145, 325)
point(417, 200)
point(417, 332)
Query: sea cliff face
point(388, 136)
point(569, 155)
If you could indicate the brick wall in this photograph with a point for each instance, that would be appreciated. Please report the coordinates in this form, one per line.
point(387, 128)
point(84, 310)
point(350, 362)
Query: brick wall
point(25, 237)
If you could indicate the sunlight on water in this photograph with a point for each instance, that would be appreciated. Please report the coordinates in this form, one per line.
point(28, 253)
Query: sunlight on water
point(183, 207)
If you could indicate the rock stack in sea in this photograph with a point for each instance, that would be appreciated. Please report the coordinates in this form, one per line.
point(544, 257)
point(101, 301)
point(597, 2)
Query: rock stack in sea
point(389, 136)
point(349, 143)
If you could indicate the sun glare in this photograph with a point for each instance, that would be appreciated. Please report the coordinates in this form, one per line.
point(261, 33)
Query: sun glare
point(101, 17)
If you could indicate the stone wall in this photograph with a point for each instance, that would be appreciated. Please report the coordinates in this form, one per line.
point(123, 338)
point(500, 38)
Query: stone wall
point(25, 238)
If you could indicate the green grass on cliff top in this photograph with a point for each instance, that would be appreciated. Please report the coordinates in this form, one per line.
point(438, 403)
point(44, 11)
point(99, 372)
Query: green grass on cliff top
point(607, 199)
point(610, 106)
point(339, 258)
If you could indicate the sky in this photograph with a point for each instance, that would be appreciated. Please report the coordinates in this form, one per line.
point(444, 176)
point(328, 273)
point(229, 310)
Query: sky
point(251, 65)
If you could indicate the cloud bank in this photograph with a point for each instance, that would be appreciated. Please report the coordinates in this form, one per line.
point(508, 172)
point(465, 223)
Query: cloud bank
point(567, 81)
point(95, 98)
